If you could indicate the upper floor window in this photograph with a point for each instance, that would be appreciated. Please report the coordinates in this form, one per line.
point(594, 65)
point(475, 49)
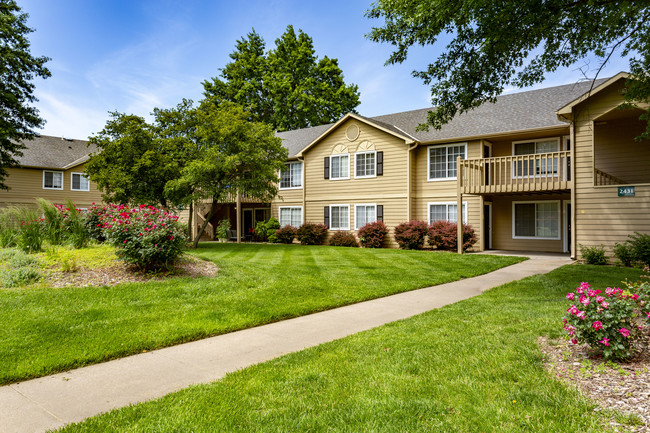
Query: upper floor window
point(291, 175)
point(441, 160)
point(539, 166)
point(365, 164)
point(79, 182)
point(340, 167)
point(52, 179)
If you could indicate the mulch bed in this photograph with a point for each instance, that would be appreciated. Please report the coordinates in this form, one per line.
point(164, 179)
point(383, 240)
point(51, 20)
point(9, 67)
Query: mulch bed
point(119, 273)
point(623, 386)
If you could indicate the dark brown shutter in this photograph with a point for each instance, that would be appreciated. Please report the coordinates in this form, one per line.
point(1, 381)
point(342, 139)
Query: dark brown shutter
point(326, 218)
point(380, 212)
point(327, 167)
point(380, 163)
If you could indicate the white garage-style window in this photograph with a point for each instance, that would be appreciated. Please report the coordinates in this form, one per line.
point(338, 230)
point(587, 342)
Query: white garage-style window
point(340, 167)
point(52, 179)
point(365, 164)
point(536, 220)
point(79, 182)
point(445, 211)
point(291, 175)
point(290, 216)
point(441, 161)
point(339, 218)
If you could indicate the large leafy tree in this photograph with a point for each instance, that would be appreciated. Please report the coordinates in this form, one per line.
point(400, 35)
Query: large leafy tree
point(288, 87)
point(235, 156)
point(17, 70)
point(495, 44)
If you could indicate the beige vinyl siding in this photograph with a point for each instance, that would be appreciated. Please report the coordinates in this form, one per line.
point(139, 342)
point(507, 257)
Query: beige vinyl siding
point(502, 224)
point(26, 185)
point(601, 216)
point(618, 154)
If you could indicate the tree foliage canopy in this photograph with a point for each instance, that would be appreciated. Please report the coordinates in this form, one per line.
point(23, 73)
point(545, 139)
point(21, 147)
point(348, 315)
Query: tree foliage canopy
point(288, 87)
point(501, 43)
point(17, 70)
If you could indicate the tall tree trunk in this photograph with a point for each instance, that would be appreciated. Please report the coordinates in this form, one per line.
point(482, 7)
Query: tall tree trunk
point(208, 217)
point(190, 226)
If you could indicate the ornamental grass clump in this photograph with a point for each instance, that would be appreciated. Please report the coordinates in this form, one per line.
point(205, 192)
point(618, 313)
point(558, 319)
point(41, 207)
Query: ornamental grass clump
point(410, 235)
point(372, 235)
point(144, 236)
point(610, 322)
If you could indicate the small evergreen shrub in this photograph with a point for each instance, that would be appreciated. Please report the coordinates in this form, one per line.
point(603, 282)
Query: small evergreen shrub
point(410, 235)
point(285, 235)
point(145, 237)
point(624, 253)
point(372, 235)
point(640, 244)
point(594, 255)
point(444, 235)
point(312, 234)
point(263, 230)
point(343, 239)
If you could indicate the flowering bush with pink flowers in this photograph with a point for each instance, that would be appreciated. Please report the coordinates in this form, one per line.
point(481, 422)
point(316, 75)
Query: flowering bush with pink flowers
point(145, 237)
point(609, 321)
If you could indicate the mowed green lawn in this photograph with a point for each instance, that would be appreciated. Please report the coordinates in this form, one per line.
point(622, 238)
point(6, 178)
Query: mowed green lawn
point(47, 330)
point(473, 366)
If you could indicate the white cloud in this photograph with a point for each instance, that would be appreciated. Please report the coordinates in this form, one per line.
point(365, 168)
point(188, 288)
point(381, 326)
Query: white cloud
point(76, 119)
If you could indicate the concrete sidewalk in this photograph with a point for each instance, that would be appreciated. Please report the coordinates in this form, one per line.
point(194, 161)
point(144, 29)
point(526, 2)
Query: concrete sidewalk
point(53, 401)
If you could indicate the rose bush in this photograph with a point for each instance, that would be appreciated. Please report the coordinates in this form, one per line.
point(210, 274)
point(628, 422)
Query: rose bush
point(609, 322)
point(145, 237)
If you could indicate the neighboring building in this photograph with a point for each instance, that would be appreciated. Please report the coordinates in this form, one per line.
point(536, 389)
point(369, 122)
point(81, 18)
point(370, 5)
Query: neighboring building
point(51, 168)
point(523, 185)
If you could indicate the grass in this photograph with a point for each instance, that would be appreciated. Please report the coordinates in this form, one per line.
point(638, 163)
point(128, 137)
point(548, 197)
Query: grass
point(473, 366)
point(45, 330)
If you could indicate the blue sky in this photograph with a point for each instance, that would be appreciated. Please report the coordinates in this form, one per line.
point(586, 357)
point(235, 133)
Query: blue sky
point(132, 56)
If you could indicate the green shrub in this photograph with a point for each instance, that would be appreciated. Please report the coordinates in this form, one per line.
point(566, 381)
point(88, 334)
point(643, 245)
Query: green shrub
point(372, 235)
point(93, 222)
point(343, 239)
point(594, 255)
point(410, 235)
point(312, 234)
point(444, 235)
point(53, 227)
point(145, 237)
point(222, 229)
point(624, 253)
point(30, 230)
point(264, 230)
point(640, 244)
point(284, 235)
point(76, 233)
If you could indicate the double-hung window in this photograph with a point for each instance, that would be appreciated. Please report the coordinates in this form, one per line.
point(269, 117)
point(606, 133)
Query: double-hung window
point(291, 175)
point(79, 182)
point(441, 161)
point(290, 216)
point(339, 167)
point(365, 164)
point(536, 166)
point(364, 214)
point(445, 211)
point(52, 179)
point(339, 217)
point(536, 220)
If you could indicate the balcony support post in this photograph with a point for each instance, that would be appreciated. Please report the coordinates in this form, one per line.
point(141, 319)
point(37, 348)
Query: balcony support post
point(459, 208)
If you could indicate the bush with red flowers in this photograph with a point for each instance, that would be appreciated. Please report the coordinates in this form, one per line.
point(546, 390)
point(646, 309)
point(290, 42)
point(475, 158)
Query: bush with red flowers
point(444, 235)
point(145, 237)
point(372, 235)
point(410, 235)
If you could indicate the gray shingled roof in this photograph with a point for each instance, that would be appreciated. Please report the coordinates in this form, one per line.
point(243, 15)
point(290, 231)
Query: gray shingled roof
point(45, 151)
point(532, 109)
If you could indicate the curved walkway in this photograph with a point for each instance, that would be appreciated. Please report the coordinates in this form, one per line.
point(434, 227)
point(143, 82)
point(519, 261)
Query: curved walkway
point(50, 402)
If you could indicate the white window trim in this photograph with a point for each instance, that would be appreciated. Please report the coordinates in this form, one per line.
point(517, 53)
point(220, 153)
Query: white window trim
point(332, 165)
point(535, 140)
point(53, 171)
point(559, 216)
point(72, 183)
point(347, 227)
point(374, 152)
point(365, 205)
point(442, 179)
point(302, 176)
point(302, 214)
point(447, 203)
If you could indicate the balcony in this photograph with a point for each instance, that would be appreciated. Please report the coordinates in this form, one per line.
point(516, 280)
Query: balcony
point(538, 172)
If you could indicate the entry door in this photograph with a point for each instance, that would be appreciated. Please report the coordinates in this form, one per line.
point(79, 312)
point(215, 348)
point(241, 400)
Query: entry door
point(487, 152)
point(487, 225)
point(247, 225)
point(567, 227)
